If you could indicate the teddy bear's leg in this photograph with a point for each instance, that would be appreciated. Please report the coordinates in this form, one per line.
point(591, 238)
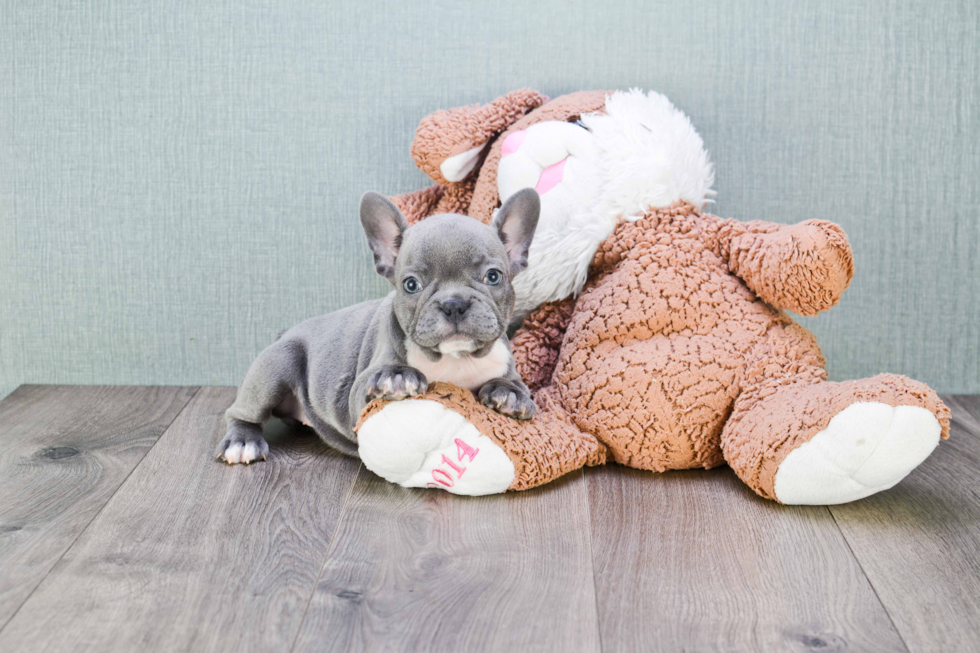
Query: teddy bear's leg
point(448, 440)
point(795, 437)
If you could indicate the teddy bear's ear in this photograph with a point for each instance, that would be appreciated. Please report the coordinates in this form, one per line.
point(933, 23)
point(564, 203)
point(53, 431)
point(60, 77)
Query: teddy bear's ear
point(448, 144)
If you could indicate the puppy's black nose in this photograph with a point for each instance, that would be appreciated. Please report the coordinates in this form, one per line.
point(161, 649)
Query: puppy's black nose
point(455, 309)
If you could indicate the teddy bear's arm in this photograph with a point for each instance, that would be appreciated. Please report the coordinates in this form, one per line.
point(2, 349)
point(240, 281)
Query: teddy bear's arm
point(803, 267)
point(537, 343)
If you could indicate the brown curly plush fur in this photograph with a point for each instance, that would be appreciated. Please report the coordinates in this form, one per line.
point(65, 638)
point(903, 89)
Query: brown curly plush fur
point(447, 133)
point(677, 354)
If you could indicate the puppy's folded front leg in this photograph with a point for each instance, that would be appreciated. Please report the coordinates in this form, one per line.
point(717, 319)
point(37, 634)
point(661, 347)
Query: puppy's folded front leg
point(508, 397)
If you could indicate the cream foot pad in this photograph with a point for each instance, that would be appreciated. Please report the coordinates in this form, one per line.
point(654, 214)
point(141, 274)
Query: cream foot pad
point(866, 448)
point(421, 443)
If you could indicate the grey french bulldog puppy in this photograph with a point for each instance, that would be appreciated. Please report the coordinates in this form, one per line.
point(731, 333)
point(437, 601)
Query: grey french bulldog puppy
point(445, 320)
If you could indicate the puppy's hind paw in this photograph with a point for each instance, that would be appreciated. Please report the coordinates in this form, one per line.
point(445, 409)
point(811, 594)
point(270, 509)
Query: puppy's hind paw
point(236, 449)
point(510, 398)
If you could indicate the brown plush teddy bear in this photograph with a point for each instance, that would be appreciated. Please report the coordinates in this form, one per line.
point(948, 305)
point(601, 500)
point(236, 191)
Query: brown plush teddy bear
point(654, 333)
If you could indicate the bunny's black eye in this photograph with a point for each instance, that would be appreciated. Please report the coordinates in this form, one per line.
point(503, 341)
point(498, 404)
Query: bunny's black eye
point(411, 285)
point(493, 277)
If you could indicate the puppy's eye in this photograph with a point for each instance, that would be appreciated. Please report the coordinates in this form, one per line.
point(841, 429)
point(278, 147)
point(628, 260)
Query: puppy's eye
point(411, 285)
point(493, 277)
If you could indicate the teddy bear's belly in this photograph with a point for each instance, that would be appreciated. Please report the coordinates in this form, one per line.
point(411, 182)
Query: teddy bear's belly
point(651, 364)
point(657, 404)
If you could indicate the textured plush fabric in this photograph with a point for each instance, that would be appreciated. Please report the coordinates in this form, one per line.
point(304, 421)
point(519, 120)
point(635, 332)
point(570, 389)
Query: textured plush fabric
point(777, 262)
point(449, 132)
point(536, 345)
point(678, 354)
point(179, 181)
point(668, 360)
point(542, 449)
point(567, 107)
point(446, 133)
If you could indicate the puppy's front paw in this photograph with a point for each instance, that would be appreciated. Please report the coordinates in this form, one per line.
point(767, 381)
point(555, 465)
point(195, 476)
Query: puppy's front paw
point(235, 448)
point(511, 398)
point(396, 382)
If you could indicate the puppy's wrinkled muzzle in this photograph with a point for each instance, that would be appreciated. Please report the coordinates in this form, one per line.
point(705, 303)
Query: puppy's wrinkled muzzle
point(455, 324)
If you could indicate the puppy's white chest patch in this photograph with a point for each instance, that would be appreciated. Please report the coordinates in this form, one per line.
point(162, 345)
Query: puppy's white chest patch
point(466, 371)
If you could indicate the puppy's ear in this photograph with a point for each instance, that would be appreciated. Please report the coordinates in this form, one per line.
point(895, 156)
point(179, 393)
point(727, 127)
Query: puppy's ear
point(384, 225)
point(515, 223)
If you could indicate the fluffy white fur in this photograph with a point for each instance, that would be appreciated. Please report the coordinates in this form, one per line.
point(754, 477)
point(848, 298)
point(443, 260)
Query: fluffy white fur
point(641, 153)
point(650, 155)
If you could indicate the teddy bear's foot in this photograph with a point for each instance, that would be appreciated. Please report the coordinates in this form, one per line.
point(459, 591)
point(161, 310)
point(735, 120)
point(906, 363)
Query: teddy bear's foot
point(422, 443)
point(866, 448)
point(448, 440)
point(821, 443)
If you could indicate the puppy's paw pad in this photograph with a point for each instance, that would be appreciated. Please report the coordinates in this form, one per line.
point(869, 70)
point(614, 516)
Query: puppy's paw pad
point(235, 451)
point(508, 398)
point(396, 382)
point(421, 443)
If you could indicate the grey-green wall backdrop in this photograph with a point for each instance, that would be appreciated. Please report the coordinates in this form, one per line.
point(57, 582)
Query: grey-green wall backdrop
point(179, 181)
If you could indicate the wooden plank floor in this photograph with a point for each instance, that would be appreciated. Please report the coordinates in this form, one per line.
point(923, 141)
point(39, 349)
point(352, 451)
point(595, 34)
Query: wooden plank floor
point(63, 453)
point(119, 532)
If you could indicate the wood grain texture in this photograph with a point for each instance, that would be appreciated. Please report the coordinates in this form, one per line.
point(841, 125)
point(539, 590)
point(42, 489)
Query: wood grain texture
point(919, 543)
point(417, 570)
point(173, 551)
point(191, 554)
point(64, 451)
point(695, 561)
